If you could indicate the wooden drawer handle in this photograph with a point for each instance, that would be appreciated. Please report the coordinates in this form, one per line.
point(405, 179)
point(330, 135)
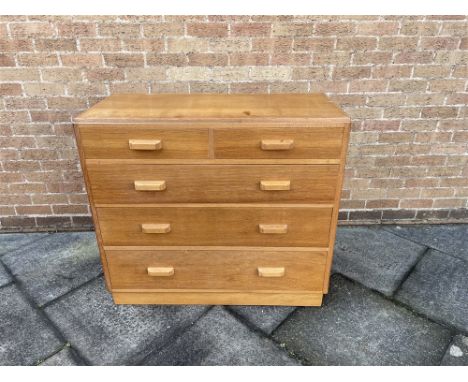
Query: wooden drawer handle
point(273, 228)
point(275, 185)
point(150, 185)
point(156, 228)
point(271, 272)
point(277, 144)
point(145, 144)
point(160, 271)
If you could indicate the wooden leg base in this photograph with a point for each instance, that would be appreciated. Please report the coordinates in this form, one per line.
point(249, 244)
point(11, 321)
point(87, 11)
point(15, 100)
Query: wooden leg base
point(219, 298)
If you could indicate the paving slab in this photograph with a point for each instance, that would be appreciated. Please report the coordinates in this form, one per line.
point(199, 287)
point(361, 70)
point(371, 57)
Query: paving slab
point(359, 327)
point(25, 336)
point(63, 358)
point(50, 267)
point(374, 257)
point(108, 334)
point(437, 288)
point(457, 352)
point(448, 238)
point(265, 318)
point(218, 338)
point(12, 241)
point(4, 276)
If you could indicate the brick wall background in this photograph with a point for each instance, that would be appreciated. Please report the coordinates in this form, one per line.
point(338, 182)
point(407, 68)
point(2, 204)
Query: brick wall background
point(403, 81)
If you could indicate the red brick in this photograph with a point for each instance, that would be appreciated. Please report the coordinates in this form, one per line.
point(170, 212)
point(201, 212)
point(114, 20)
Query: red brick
point(439, 43)
point(17, 223)
point(407, 85)
point(250, 29)
point(288, 87)
point(352, 72)
point(419, 28)
point(293, 59)
point(207, 59)
point(249, 87)
point(447, 17)
point(33, 210)
point(314, 44)
point(398, 43)
point(100, 45)
point(391, 71)
point(241, 59)
point(207, 29)
point(76, 29)
point(367, 86)
point(124, 59)
point(464, 43)
point(416, 203)
point(274, 45)
point(145, 45)
point(439, 112)
point(163, 29)
point(376, 58)
point(31, 30)
point(377, 28)
point(25, 103)
point(15, 45)
point(292, 29)
point(70, 209)
point(335, 28)
point(356, 43)
point(413, 57)
point(56, 44)
point(81, 59)
point(105, 74)
point(13, 89)
point(26, 188)
point(119, 30)
point(171, 59)
point(7, 60)
point(37, 59)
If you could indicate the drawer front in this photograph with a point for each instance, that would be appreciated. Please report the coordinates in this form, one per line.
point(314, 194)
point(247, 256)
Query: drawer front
point(230, 270)
point(123, 183)
point(278, 142)
point(205, 225)
point(142, 142)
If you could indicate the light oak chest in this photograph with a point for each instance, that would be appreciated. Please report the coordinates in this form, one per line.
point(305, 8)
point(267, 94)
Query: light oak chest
point(214, 199)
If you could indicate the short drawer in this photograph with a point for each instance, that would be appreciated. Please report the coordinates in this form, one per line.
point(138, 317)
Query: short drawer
point(217, 270)
point(143, 142)
point(278, 142)
point(125, 183)
point(216, 225)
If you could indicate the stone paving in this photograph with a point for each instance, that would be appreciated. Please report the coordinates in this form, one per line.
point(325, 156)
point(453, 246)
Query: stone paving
point(398, 296)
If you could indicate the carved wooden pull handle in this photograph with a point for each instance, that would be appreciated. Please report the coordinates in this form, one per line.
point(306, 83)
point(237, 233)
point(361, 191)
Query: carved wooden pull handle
point(160, 271)
point(156, 228)
point(273, 228)
point(150, 185)
point(145, 144)
point(275, 185)
point(271, 272)
point(277, 144)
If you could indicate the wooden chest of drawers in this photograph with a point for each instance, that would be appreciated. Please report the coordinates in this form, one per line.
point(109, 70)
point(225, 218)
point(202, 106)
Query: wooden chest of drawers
point(214, 199)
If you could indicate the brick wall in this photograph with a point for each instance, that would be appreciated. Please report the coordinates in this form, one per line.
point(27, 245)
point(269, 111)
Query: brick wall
point(403, 81)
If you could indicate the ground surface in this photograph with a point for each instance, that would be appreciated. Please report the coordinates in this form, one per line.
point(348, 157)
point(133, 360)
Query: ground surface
point(399, 296)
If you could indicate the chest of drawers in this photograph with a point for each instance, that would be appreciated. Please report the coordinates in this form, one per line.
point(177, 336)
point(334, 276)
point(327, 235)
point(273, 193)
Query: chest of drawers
point(214, 199)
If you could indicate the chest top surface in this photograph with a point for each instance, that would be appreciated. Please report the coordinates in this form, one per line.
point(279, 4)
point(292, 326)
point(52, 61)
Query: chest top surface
point(204, 107)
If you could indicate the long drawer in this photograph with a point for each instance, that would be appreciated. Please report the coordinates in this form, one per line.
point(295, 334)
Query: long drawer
point(143, 142)
point(125, 183)
point(230, 269)
point(278, 143)
point(216, 225)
